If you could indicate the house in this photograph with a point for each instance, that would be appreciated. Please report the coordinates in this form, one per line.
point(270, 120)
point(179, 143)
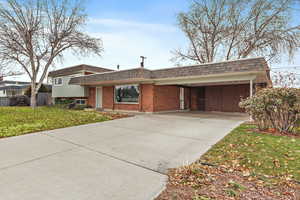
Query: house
point(204, 87)
point(13, 88)
point(61, 89)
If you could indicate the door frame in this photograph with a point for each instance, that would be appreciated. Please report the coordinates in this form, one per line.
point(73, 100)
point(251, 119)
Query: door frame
point(98, 96)
point(181, 98)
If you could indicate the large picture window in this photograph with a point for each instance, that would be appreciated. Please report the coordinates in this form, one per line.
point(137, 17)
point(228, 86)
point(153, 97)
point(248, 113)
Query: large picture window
point(127, 94)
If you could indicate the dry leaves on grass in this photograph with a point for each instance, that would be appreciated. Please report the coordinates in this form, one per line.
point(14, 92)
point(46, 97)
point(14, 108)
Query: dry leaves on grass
point(203, 182)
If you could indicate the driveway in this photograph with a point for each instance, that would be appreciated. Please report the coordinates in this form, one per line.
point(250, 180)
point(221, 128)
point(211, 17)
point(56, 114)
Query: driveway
point(121, 159)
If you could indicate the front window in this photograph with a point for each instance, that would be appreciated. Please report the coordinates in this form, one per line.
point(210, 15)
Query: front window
point(58, 81)
point(127, 94)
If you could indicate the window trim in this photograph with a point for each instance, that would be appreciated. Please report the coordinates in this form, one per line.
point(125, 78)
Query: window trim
point(54, 81)
point(85, 100)
point(128, 103)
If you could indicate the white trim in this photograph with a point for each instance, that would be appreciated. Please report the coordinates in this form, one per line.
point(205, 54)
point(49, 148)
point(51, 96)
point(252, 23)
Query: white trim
point(129, 103)
point(181, 98)
point(251, 87)
point(206, 79)
point(54, 79)
point(99, 103)
point(79, 99)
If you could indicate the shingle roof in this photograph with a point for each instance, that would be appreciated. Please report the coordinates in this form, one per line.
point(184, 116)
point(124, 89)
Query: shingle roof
point(14, 87)
point(14, 82)
point(77, 68)
point(242, 65)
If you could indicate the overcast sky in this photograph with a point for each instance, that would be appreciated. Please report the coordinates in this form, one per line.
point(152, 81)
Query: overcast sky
point(133, 28)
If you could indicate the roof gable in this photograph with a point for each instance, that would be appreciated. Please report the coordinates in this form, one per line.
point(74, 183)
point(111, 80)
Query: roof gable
point(76, 69)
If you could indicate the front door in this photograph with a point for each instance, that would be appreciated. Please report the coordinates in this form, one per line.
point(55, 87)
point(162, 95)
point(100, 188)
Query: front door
point(98, 97)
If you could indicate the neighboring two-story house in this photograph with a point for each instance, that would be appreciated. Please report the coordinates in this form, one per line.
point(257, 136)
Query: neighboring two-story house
point(61, 89)
point(13, 88)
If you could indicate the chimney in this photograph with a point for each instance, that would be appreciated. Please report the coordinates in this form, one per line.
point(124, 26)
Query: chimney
point(143, 61)
point(118, 67)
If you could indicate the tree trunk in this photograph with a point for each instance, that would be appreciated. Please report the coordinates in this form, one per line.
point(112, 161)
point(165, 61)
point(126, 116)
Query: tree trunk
point(33, 96)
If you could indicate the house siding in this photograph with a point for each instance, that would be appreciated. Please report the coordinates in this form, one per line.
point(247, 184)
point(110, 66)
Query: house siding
point(108, 97)
point(67, 90)
point(154, 98)
point(92, 97)
point(223, 98)
point(166, 98)
point(147, 98)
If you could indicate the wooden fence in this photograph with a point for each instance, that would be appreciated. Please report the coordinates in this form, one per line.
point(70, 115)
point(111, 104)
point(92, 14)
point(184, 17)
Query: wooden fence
point(43, 99)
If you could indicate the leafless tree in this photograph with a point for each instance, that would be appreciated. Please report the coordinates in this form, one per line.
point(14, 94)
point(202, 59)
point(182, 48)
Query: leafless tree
point(34, 34)
point(285, 79)
point(231, 29)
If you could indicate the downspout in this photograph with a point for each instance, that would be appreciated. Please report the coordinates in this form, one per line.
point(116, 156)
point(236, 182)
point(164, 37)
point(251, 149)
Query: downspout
point(141, 98)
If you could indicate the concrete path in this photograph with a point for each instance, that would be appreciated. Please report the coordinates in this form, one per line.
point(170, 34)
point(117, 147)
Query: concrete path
point(120, 159)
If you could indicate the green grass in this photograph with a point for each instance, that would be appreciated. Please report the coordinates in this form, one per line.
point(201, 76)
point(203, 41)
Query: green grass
point(261, 154)
point(21, 120)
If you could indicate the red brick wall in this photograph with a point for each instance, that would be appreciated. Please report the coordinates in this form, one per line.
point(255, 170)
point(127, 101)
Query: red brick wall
point(147, 98)
point(130, 107)
point(153, 98)
point(92, 97)
point(108, 97)
point(108, 101)
point(166, 98)
point(194, 96)
point(225, 98)
point(187, 96)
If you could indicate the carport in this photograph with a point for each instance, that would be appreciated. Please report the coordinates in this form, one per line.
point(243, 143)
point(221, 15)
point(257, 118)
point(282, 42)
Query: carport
point(216, 93)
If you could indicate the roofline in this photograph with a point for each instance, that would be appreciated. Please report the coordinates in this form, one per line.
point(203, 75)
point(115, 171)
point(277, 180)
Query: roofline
point(213, 63)
point(201, 64)
point(80, 65)
point(147, 80)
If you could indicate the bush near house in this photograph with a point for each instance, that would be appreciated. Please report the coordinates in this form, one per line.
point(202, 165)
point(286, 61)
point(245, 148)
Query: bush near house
point(275, 108)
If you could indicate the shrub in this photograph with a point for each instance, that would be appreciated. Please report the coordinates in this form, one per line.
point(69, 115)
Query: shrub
point(19, 101)
point(63, 101)
point(43, 89)
point(79, 107)
point(276, 108)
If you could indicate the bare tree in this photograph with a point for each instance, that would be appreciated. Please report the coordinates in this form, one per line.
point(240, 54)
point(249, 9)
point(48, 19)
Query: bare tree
point(34, 34)
point(285, 79)
point(230, 29)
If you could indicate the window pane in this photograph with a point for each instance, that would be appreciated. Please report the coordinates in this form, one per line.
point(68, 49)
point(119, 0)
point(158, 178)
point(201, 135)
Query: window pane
point(127, 94)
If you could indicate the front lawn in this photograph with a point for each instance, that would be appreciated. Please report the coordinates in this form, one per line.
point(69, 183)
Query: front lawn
point(21, 120)
point(244, 165)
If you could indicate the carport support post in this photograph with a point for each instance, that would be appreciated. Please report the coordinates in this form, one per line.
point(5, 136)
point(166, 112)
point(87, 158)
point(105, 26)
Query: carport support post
point(251, 94)
point(251, 88)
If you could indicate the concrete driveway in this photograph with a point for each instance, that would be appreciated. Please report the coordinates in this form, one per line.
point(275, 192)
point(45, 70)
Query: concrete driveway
point(121, 159)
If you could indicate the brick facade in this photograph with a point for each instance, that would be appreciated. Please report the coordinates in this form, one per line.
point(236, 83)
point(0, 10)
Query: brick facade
point(155, 98)
point(91, 101)
point(152, 99)
point(224, 98)
point(147, 97)
point(166, 98)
